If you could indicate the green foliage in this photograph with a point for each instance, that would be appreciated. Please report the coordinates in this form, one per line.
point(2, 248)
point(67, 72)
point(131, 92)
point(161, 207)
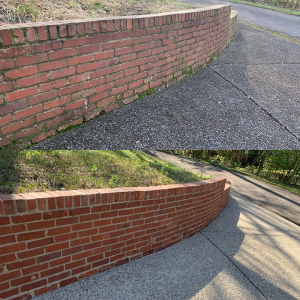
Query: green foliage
point(189, 71)
point(26, 12)
point(278, 166)
point(146, 93)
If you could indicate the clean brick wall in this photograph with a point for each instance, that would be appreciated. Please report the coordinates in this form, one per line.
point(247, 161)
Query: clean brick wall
point(51, 239)
point(56, 74)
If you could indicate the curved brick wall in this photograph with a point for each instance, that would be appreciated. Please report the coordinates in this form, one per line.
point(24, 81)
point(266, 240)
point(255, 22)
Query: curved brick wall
point(56, 74)
point(51, 239)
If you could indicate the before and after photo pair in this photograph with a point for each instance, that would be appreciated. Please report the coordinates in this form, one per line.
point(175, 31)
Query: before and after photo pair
point(149, 149)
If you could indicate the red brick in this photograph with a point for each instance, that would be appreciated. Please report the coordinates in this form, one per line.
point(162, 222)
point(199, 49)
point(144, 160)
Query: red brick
point(7, 294)
point(21, 94)
point(6, 37)
point(31, 235)
point(39, 243)
point(22, 297)
point(55, 214)
point(4, 286)
point(65, 237)
point(62, 30)
point(71, 250)
point(80, 59)
point(57, 102)
point(88, 67)
point(31, 60)
point(79, 78)
point(26, 218)
point(76, 104)
point(52, 271)
point(18, 36)
point(62, 54)
point(59, 230)
point(68, 281)
point(21, 264)
point(102, 72)
point(53, 33)
point(7, 87)
point(63, 73)
point(16, 126)
point(24, 279)
point(100, 38)
point(31, 253)
point(53, 65)
point(53, 85)
point(42, 97)
point(70, 89)
point(49, 114)
point(76, 42)
point(88, 49)
point(80, 28)
point(28, 71)
point(48, 257)
point(28, 112)
point(89, 273)
point(42, 33)
point(60, 261)
point(43, 136)
point(5, 120)
point(31, 80)
point(33, 285)
point(111, 45)
point(8, 108)
point(6, 64)
point(10, 275)
point(4, 259)
point(40, 291)
point(104, 55)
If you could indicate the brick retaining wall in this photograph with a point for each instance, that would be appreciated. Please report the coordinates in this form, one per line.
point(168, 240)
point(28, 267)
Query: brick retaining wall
point(57, 74)
point(51, 239)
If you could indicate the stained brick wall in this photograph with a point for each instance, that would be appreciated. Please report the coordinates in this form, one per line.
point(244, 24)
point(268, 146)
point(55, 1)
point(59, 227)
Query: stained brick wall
point(56, 74)
point(51, 239)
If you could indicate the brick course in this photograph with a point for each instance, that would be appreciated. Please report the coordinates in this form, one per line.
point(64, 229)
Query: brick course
point(50, 239)
point(52, 60)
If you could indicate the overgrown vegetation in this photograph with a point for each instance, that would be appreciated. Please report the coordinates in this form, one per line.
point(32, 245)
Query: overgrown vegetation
point(28, 171)
point(280, 167)
point(189, 71)
point(21, 11)
point(287, 6)
point(146, 93)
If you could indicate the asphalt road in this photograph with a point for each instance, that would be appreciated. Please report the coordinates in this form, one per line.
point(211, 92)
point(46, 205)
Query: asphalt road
point(279, 201)
point(247, 98)
point(285, 24)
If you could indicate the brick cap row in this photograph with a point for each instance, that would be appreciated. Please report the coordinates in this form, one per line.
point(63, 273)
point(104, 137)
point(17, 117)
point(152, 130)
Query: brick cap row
point(27, 202)
point(14, 34)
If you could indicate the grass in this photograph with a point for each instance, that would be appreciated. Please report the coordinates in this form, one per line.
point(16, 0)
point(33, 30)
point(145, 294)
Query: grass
point(21, 11)
point(276, 8)
point(146, 93)
point(29, 171)
point(242, 171)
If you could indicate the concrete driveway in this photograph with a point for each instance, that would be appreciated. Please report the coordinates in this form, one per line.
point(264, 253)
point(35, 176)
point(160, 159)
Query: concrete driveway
point(247, 98)
point(279, 201)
